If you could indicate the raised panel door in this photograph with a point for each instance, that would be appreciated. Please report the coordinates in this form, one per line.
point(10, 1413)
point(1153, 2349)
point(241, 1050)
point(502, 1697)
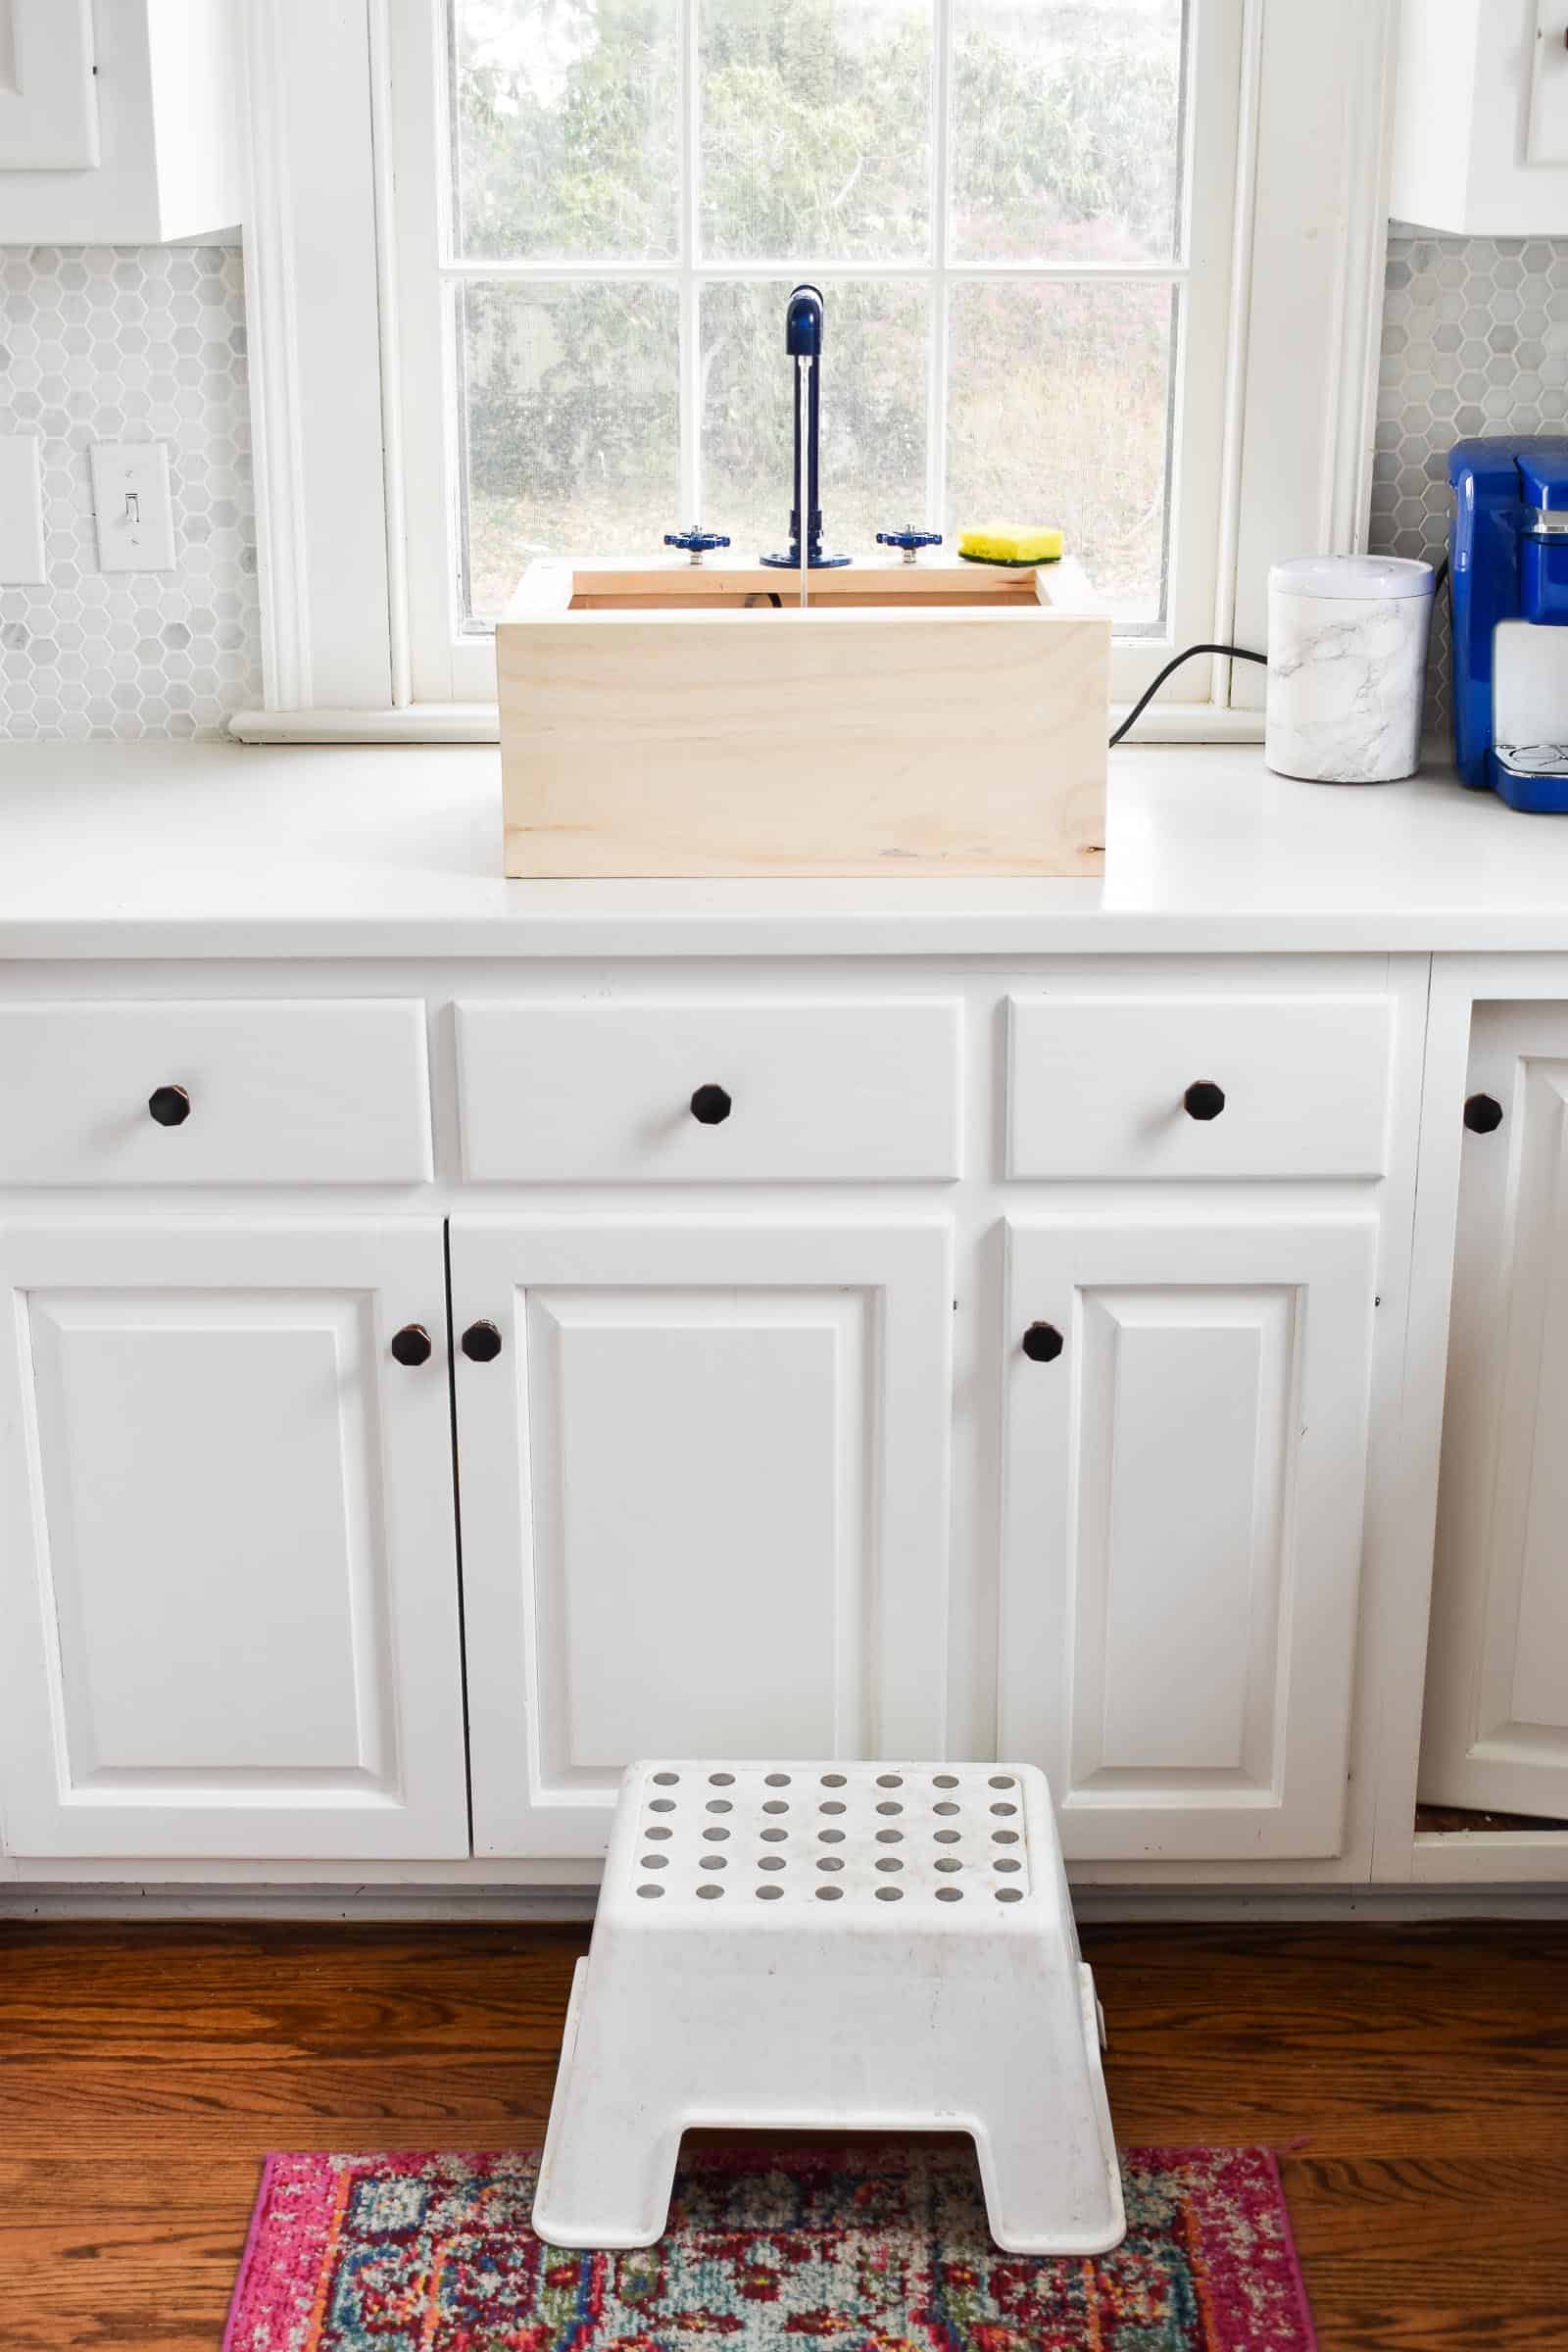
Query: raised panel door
point(704, 1501)
point(1495, 1733)
point(230, 1558)
point(1182, 1512)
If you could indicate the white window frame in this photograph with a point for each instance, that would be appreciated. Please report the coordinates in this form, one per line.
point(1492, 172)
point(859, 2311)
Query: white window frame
point(351, 375)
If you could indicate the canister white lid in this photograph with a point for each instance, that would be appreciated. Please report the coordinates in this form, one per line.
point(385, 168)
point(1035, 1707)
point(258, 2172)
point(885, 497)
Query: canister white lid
point(1364, 576)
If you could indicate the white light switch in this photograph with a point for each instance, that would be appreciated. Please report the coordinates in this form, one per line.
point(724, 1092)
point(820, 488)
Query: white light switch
point(135, 512)
point(21, 510)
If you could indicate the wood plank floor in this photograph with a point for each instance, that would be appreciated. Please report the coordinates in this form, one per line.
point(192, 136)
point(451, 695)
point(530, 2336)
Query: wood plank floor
point(1414, 2080)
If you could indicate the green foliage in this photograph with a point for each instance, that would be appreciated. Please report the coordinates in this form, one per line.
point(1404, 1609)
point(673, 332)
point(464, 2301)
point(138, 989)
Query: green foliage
point(566, 143)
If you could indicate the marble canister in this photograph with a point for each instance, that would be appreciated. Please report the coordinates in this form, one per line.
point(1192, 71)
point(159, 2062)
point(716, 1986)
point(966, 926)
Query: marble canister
point(1346, 668)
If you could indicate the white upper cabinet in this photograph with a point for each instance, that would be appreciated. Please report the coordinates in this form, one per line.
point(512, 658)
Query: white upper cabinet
point(119, 121)
point(48, 105)
point(1481, 121)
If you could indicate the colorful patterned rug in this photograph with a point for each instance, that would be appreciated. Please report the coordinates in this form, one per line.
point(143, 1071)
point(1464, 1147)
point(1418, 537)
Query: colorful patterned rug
point(856, 2250)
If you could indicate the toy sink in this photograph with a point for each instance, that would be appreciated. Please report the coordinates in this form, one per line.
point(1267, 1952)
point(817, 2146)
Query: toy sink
point(674, 719)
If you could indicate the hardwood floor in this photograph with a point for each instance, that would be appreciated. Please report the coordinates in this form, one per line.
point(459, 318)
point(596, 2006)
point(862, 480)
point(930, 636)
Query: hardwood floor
point(1414, 2080)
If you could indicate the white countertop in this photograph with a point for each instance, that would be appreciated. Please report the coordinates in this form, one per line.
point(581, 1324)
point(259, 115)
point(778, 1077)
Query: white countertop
point(228, 849)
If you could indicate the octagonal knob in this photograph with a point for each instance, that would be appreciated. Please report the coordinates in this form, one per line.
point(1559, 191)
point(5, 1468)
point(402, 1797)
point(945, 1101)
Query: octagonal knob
point(1203, 1100)
point(1042, 1342)
point(1482, 1114)
point(169, 1106)
point(710, 1106)
point(412, 1345)
point(481, 1343)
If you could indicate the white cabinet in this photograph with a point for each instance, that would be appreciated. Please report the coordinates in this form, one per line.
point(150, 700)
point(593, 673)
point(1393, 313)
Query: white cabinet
point(120, 121)
point(1481, 117)
point(1495, 1726)
point(1181, 1086)
point(184, 1092)
point(1186, 1428)
point(722, 1090)
point(48, 106)
point(704, 1485)
point(227, 1560)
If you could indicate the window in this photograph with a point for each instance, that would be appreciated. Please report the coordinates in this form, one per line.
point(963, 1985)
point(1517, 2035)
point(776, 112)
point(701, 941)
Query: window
point(1018, 212)
point(514, 274)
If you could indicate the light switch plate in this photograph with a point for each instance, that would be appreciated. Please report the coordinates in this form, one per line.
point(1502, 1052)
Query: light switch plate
point(135, 510)
point(22, 559)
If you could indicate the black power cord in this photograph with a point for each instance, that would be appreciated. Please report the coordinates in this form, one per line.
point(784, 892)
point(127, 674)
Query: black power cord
point(1233, 652)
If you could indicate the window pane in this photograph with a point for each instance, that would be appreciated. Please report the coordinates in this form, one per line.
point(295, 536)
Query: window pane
point(563, 129)
point(873, 413)
point(571, 415)
point(1066, 118)
point(1058, 411)
point(815, 135)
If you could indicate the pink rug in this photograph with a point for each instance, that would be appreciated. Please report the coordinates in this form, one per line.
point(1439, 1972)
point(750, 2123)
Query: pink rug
point(861, 2249)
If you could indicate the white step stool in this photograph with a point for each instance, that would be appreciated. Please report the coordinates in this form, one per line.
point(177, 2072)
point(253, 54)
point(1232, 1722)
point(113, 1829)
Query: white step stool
point(832, 1946)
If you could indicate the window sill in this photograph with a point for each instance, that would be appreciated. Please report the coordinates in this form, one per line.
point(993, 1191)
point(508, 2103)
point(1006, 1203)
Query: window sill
point(477, 722)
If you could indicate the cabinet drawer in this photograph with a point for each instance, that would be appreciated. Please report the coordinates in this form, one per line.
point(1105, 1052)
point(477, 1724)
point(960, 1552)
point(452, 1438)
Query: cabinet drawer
point(611, 1093)
point(329, 1092)
point(1199, 1085)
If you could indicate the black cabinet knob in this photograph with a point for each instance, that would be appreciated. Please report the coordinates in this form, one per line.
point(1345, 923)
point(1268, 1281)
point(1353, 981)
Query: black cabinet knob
point(710, 1106)
point(412, 1345)
point(1482, 1114)
point(481, 1343)
point(1203, 1100)
point(1042, 1342)
point(169, 1106)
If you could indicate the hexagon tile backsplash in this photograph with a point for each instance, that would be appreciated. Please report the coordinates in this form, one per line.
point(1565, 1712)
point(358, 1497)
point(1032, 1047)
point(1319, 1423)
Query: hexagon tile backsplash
point(1475, 340)
point(123, 344)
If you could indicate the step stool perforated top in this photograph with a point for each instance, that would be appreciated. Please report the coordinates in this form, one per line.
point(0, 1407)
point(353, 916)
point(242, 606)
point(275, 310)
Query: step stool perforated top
point(837, 1838)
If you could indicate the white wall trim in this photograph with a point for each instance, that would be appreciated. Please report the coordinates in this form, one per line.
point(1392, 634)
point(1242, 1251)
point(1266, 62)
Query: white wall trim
point(479, 722)
point(271, 306)
point(414, 722)
point(1242, 242)
point(1325, 143)
point(525, 1905)
point(1364, 259)
point(391, 353)
point(314, 337)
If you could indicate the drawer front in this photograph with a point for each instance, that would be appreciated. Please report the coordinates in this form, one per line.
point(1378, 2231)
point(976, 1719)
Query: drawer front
point(1119, 1086)
point(330, 1093)
point(605, 1094)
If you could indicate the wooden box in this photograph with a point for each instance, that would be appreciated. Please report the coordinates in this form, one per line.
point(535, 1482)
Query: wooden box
point(677, 719)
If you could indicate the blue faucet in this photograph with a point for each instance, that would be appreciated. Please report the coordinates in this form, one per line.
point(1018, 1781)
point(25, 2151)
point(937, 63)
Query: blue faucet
point(803, 341)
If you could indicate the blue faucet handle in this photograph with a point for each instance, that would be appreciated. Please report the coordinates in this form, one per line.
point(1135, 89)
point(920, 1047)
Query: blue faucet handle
point(909, 539)
point(696, 541)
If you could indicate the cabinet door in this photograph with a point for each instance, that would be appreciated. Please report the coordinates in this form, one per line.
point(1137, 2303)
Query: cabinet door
point(1182, 1521)
point(48, 101)
point(227, 1543)
point(704, 1503)
point(1495, 1728)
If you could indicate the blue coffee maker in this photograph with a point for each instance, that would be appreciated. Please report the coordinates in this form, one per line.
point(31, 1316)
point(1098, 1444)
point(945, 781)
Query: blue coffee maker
point(1508, 579)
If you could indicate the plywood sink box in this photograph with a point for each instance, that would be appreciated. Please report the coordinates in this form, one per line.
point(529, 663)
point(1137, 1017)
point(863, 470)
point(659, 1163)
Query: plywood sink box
point(682, 719)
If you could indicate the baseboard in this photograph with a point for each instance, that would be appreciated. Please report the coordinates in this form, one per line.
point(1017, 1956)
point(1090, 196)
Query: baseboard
point(570, 1905)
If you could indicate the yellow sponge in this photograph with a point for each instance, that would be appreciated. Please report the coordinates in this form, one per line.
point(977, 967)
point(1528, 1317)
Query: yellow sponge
point(1011, 547)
